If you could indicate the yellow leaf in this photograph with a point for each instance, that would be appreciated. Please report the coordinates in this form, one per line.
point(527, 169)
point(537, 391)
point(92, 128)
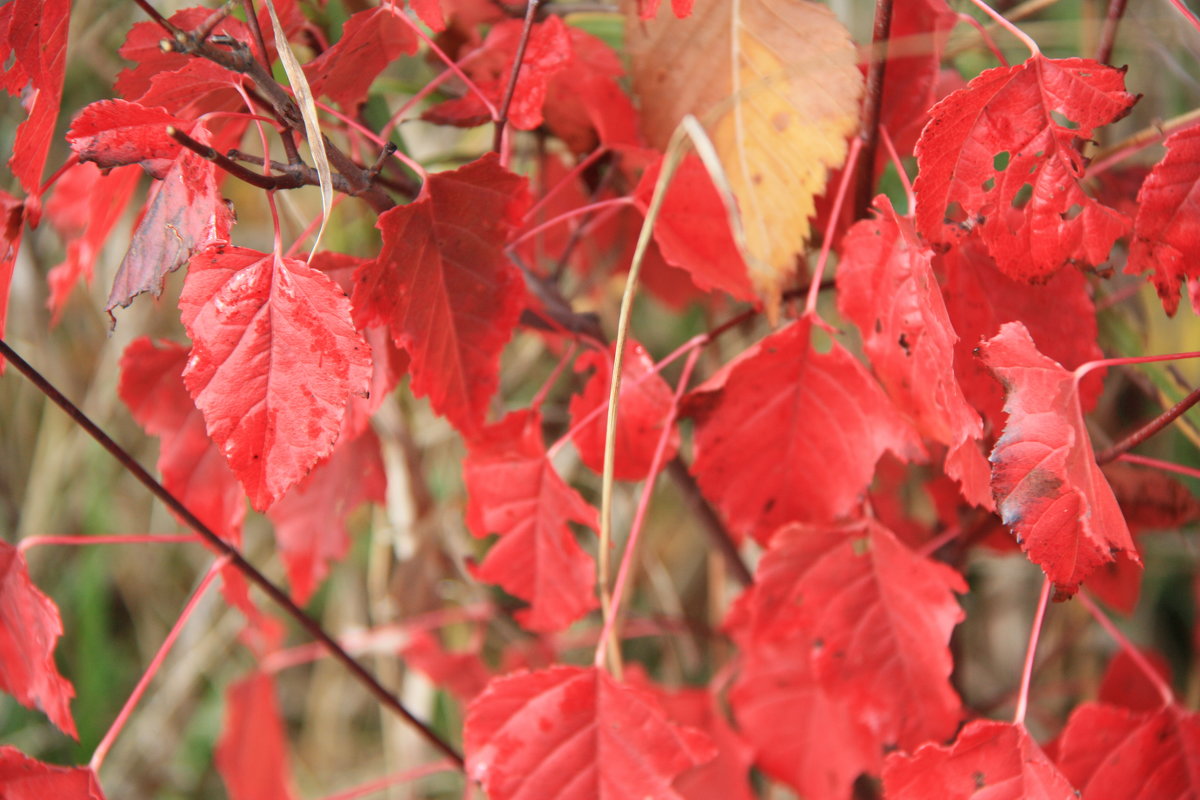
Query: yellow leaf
point(777, 85)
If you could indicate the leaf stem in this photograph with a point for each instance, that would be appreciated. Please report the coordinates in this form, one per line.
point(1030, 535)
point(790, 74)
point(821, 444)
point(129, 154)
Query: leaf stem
point(239, 562)
point(1103, 363)
point(1167, 466)
point(531, 8)
point(1149, 429)
point(1008, 26)
point(872, 106)
point(135, 696)
point(814, 286)
point(121, 538)
point(1164, 691)
point(1027, 672)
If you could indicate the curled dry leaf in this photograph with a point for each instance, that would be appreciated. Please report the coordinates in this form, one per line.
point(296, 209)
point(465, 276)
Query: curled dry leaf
point(778, 101)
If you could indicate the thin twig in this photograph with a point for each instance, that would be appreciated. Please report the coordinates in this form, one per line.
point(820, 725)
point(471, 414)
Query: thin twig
point(1149, 429)
point(162, 21)
point(872, 105)
point(530, 16)
point(718, 534)
point(268, 182)
point(1108, 34)
point(285, 136)
point(236, 559)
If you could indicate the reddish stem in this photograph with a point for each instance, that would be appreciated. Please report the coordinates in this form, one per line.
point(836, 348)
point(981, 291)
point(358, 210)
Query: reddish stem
point(125, 538)
point(1163, 465)
point(498, 137)
point(239, 562)
point(155, 663)
point(1149, 429)
point(395, 779)
point(873, 104)
point(566, 215)
point(1108, 34)
point(814, 287)
point(1027, 673)
point(1151, 674)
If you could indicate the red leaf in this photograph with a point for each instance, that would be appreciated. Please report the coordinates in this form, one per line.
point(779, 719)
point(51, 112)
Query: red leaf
point(12, 225)
point(23, 778)
point(252, 755)
point(1125, 684)
point(575, 734)
point(988, 761)
point(29, 628)
point(1049, 490)
point(274, 361)
point(804, 736)
point(142, 45)
point(1166, 230)
point(876, 617)
point(1059, 315)
point(692, 229)
point(514, 491)
point(1118, 754)
point(184, 214)
point(310, 520)
point(198, 87)
point(445, 288)
point(643, 405)
point(585, 104)
point(371, 40)
point(83, 209)
point(191, 466)
point(490, 67)
point(1013, 127)
point(33, 51)
point(1151, 499)
point(461, 673)
point(115, 133)
point(784, 434)
point(429, 12)
point(886, 286)
point(918, 34)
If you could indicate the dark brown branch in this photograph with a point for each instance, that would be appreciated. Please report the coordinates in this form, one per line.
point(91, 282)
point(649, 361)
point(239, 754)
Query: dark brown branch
point(236, 559)
point(209, 25)
point(872, 103)
point(1146, 431)
point(152, 12)
point(530, 16)
point(268, 182)
point(1108, 34)
point(289, 143)
point(718, 534)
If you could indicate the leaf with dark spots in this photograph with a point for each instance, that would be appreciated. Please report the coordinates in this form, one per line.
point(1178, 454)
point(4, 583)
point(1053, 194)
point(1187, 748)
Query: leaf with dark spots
point(1048, 487)
point(275, 359)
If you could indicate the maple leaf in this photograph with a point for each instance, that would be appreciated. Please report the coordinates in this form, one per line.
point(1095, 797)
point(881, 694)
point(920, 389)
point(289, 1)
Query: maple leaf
point(1121, 754)
point(779, 98)
point(886, 286)
point(1001, 133)
point(1049, 490)
point(275, 358)
point(371, 39)
point(1059, 314)
point(514, 491)
point(84, 208)
point(802, 734)
point(877, 618)
point(191, 466)
point(547, 52)
point(445, 288)
point(252, 753)
point(33, 53)
point(24, 778)
point(184, 214)
point(644, 403)
point(29, 628)
point(115, 133)
point(574, 733)
point(1166, 230)
point(692, 230)
point(992, 760)
point(310, 520)
point(785, 433)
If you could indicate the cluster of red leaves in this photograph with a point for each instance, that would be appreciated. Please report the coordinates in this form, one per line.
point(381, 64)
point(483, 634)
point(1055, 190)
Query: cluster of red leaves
point(973, 311)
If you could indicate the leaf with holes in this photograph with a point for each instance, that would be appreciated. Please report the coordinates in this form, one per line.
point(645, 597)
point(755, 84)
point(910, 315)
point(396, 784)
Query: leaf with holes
point(514, 491)
point(275, 359)
point(1012, 128)
point(1049, 490)
point(576, 734)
